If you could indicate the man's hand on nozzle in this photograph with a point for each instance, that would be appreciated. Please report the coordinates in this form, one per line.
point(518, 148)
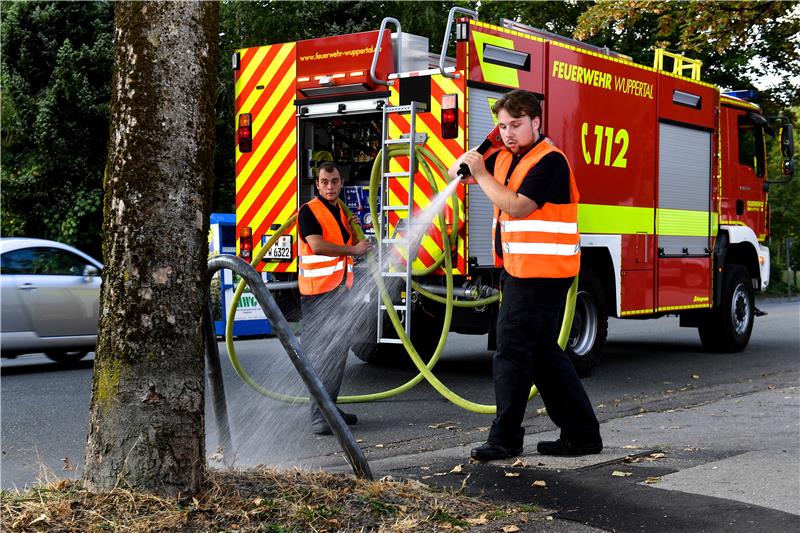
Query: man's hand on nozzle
point(361, 247)
point(474, 162)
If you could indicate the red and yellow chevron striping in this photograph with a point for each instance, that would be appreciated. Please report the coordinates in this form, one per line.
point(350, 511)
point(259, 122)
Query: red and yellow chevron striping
point(448, 151)
point(266, 178)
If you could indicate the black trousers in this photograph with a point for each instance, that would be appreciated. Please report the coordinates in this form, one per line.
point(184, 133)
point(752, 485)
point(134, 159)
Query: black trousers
point(528, 353)
point(323, 342)
point(332, 322)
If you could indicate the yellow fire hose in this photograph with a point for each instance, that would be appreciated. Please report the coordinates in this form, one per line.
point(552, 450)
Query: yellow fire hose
point(425, 370)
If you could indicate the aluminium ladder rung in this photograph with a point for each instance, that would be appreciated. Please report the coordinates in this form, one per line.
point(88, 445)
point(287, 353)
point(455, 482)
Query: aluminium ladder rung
point(390, 340)
point(397, 307)
point(397, 141)
point(395, 241)
point(393, 274)
point(397, 109)
point(396, 174)
point(395, 208)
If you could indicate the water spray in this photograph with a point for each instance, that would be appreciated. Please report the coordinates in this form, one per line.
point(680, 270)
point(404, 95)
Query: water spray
point(425, 157)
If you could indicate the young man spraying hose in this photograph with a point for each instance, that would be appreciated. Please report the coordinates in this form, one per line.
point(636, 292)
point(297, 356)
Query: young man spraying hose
point(536, 241)
point(325, 276)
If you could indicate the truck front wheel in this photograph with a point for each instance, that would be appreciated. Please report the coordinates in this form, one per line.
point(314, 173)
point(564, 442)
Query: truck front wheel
point(589, 326)
point(728, 327)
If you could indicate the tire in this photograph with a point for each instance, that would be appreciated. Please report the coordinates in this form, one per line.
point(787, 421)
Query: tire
point(66, 357)
point(728, 327)
point(589, 326)
point(425, 333)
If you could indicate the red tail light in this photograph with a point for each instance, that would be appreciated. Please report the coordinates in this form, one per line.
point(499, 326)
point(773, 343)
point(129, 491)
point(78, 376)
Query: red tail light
point(246, 244)
point(244, 133)
point(449, 116)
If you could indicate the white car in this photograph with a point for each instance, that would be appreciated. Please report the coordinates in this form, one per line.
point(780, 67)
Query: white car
point(50, 299)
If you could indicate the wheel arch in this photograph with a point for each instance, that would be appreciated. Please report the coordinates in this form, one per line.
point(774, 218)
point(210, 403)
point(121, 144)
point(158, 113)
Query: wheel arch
point(739, 245)
point(603, 257)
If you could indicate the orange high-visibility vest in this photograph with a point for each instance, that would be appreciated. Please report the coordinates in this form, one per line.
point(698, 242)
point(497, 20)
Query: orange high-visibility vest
point(546, 243)
point(318, 274)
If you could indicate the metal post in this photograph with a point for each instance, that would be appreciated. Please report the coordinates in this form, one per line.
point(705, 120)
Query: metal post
point(354, 454)
point(217, 386)
point(789, 280)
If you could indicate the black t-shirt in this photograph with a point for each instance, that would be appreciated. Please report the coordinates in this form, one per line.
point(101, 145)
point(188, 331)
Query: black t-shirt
point(309, 225)
point(547, 181)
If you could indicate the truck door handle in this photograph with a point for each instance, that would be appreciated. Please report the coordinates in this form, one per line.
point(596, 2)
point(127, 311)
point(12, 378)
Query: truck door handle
point(28, 287)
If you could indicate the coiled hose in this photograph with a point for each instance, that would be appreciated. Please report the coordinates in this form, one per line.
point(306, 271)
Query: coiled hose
point(425, 157)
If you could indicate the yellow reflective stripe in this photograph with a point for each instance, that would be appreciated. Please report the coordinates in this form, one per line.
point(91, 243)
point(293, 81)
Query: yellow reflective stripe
point(614, 219)
point(682, 222)
point(637, 312)
point(625, 220)
point(679, 307)
point(495, 73)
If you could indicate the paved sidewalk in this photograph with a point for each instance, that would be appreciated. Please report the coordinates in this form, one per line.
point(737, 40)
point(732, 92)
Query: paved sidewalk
point(731, 463)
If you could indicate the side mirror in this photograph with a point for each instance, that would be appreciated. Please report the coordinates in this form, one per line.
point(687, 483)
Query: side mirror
point(787, 169)
point(787, 140)
point(89, 272)
point(758, 120)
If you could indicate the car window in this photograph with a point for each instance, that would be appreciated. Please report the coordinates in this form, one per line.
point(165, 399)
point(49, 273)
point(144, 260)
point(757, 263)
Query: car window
point(45, 261)
point(18, 261)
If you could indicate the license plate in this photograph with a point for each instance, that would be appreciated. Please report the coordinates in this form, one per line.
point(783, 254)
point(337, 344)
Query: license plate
point(281, 250)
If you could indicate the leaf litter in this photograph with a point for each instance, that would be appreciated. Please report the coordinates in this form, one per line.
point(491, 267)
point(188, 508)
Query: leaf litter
point(259, 499)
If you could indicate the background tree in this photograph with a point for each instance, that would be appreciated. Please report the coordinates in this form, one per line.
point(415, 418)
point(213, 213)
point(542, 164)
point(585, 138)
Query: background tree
point(555, 17)
point(56, 73)
point(738, 42)
point(146, 426)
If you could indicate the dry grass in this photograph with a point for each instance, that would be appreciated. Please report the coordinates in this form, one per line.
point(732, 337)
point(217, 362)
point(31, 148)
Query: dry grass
point(261, 500)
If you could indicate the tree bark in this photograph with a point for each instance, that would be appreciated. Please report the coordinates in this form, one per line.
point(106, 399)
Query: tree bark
point(146, 426)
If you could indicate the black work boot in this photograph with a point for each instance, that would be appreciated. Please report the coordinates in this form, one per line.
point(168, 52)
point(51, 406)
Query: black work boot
point(564, 447)
point(492, 452)
point(349, 418)
point(321, 427)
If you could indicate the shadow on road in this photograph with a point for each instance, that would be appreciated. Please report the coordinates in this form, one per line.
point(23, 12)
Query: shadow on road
point(39, 367)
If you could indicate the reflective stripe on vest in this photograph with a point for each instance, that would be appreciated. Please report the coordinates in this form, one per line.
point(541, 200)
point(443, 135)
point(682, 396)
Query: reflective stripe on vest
point(318, 274)
point(546, 243)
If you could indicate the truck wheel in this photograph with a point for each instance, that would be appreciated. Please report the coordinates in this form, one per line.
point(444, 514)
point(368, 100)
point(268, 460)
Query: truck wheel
point(367, 352)
point(589, 326)
point(425, 333)
point(728, 328)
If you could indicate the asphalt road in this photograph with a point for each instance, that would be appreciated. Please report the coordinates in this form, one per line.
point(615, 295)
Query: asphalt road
point(648, 366)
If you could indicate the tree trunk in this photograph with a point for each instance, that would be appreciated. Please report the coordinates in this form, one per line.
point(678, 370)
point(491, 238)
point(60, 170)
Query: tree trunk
point(146, 426)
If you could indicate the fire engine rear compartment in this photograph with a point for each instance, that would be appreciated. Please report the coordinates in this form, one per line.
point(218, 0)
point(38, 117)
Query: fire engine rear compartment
point(351, 140)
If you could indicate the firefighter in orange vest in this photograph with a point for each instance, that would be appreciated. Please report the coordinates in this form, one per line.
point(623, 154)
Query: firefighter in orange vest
point(325, 276)
point(536, 241)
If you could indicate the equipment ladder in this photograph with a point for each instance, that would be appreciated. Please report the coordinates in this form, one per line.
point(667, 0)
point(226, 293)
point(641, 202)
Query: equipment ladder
point(390, 274)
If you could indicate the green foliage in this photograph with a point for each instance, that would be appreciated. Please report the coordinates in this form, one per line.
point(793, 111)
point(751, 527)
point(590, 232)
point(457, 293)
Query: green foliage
point(56, 72)
point(784, 206)
point(738, 42)
point(555, 17)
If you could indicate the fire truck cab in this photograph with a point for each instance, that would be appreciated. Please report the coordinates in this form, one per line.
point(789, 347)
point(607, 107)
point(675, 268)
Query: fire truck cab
point(672, 172)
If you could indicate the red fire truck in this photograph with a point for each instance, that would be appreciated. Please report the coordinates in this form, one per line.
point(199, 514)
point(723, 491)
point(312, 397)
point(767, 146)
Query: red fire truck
point(672, 172)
